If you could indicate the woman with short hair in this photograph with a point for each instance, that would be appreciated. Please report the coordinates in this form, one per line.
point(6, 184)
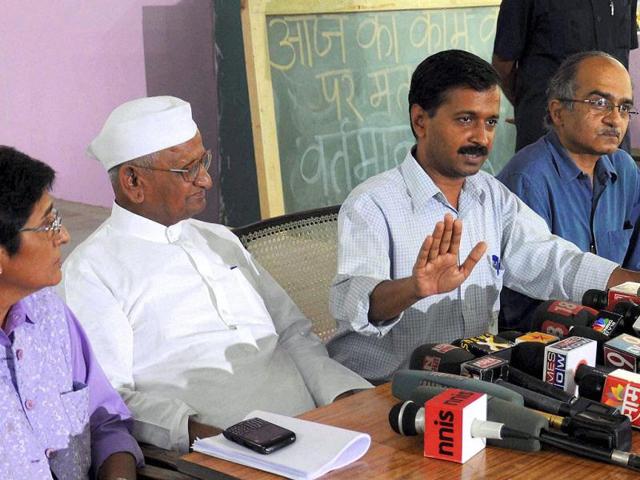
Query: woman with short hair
point(59, 416)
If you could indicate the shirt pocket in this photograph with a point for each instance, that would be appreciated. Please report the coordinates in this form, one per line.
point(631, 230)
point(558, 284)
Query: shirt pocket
point(76, 405)
point(246, 302)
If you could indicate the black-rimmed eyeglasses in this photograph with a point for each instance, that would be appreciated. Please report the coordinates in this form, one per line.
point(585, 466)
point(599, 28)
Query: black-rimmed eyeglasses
point(189, 172)
point(604, 106)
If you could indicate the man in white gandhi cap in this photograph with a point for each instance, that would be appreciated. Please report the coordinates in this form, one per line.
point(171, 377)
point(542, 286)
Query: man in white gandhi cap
point(192, 332)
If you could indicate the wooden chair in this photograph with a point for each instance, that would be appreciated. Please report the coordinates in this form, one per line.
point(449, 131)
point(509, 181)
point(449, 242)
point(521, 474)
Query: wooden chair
point(299, 250)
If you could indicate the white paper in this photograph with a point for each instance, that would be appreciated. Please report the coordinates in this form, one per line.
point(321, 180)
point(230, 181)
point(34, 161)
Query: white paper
point(317, 450)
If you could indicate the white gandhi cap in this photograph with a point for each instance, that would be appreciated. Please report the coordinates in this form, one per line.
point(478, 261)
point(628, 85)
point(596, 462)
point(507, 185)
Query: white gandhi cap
point(141, 127)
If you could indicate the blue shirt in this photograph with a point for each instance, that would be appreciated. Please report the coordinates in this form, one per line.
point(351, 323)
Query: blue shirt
point(597, 216)
point(381, 227)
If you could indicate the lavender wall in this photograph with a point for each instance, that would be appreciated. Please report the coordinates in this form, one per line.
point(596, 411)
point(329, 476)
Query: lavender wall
point(65, 65)
point(634, 69)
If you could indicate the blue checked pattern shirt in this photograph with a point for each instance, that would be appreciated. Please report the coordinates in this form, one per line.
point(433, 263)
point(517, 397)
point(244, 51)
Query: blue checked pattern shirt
point(382, 225)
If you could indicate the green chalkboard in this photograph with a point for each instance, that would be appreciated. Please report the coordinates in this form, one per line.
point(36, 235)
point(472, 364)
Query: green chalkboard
point(340, 82)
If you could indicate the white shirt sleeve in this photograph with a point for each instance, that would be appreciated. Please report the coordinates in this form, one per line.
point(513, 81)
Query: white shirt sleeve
point(325, 378)
point(363, 262)
point(158, 420)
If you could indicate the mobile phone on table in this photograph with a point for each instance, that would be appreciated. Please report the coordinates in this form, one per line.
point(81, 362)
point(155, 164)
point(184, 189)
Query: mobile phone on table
point(259, 435)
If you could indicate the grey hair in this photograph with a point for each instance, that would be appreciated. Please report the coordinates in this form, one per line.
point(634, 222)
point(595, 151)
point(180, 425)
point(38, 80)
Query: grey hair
point(563, 83)
point(144, 161)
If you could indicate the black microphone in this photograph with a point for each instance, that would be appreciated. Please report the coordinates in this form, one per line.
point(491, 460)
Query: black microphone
point(485, 344)
point(631, 316)
point(556, 317)
point(591, 381)
point(529, 357)
point(595, 299)
point(439, 357)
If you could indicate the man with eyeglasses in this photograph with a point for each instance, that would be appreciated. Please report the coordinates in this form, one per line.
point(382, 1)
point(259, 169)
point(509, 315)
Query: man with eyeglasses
point(533, 37)
point(191, 331)
point(575, 177)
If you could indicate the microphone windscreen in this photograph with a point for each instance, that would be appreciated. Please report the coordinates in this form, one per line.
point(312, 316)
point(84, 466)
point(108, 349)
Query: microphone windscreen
point(439, 357)
point(556, 317)
point(597, 299)
point(510, 335)
point(421, 394)
point(587, 332)
point(404, 383)
point(529, 357)
point(517, 418)
point(402, 418)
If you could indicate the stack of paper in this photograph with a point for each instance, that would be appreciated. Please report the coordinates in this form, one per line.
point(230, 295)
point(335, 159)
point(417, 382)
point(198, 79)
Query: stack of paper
point(317, 450)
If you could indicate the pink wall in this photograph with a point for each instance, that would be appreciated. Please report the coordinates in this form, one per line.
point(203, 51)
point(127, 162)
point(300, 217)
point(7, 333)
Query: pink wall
point(634, 70)
point(63, 67)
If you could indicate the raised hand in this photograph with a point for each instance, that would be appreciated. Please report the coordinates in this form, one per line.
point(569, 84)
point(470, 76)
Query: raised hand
point(436, 269)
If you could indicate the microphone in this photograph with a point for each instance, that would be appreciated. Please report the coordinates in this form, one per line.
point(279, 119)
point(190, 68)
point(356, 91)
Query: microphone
point(409, 418)
point(608, 431)
point(608, 323)
point(404, 382)
point(529, 421)
point(485, 344)
point(562, 359)
point(591, 381)
point(538, 337)
point(556, 317)
point(623, 351)
point(622, 390)
point(595, 299)
point(439, 357)
point(529, 357)
point(631, 316)
point(519, 419)
point(600, 338)
point(510, 335)
point(488, 368)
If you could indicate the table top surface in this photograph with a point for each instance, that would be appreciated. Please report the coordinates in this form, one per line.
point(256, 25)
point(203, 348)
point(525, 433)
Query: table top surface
point(394, 456)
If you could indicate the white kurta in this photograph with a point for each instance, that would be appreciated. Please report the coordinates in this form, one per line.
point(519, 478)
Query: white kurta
point(184, 322)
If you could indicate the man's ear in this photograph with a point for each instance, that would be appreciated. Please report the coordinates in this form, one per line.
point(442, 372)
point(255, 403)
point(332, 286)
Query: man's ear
point(131, 185)
point(418, 120)
point(556, 112)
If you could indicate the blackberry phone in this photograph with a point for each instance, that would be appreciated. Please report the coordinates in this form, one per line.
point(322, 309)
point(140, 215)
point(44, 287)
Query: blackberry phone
point(259, 435)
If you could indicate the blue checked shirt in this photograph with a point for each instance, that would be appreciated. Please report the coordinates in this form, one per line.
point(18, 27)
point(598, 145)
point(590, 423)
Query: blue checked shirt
point(382, 225)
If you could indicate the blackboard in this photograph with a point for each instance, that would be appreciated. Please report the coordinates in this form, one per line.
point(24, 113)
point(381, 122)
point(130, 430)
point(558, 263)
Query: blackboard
point(328, 89)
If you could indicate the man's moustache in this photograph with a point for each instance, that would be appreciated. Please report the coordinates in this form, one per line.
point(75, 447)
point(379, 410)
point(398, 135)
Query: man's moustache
point(474, 150)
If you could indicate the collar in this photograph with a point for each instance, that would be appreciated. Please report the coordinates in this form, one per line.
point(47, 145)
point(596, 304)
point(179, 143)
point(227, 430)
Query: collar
point(422, 188)
point(19, 314)
point(132, 224)
point(567, 168)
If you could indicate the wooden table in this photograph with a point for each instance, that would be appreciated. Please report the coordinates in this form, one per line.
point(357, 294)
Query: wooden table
point(393, 456)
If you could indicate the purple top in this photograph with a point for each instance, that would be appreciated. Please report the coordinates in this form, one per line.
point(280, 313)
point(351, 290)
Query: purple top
point(58, 412)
